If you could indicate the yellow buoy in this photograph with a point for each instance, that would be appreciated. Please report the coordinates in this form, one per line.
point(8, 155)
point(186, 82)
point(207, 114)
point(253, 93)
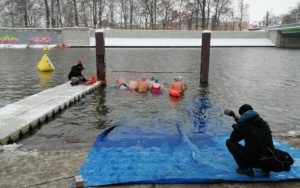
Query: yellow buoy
point(45, 64)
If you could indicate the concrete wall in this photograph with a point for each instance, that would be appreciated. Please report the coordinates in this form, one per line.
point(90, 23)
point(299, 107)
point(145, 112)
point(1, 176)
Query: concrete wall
point(76, 36)
point(285, 40)
point(289, 41)
point(180, 34)
point(80, 36)
point(25, 34)
point(274, 37)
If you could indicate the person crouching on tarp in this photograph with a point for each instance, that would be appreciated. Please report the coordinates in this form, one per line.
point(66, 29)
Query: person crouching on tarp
point(256, 133)
point(75, 75)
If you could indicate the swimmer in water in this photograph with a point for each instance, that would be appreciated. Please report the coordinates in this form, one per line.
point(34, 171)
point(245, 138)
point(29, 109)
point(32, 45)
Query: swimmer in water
point(132, 84)
point(121, 83)
point(142, 85)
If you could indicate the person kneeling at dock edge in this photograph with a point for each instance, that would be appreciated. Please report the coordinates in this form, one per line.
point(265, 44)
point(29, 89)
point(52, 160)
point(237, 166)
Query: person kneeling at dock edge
point(256, 134)
point(75, 75)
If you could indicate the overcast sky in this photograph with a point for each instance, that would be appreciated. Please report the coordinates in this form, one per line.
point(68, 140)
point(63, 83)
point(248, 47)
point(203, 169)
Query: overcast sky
point(258, 8)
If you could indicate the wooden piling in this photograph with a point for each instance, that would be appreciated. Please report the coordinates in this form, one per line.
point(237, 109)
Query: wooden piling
point(100, 56)
point(205, 53)
point(78, 181)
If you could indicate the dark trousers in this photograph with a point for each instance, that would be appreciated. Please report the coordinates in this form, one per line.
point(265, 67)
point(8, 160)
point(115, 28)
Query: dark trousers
point(239, 154)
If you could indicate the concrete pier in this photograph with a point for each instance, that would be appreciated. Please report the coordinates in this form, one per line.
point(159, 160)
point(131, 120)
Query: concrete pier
point(19, 117)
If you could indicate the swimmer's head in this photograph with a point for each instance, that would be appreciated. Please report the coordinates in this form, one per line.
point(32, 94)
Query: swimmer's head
point(152, 78)
point(132, 78)
point(179, 78)
point(175, 79)
point(143, 78)
point(156, 80)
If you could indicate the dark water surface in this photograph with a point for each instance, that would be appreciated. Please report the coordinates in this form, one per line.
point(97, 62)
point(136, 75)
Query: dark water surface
point(266, 78)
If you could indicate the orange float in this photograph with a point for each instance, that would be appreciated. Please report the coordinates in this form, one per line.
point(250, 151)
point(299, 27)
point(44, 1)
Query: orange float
point(174, 93)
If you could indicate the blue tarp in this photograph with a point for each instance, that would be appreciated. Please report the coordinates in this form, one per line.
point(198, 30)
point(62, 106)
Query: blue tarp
point(168, 159)
point(131, 154)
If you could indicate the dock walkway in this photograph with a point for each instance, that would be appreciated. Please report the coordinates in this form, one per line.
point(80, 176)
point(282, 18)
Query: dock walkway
point(19, 117)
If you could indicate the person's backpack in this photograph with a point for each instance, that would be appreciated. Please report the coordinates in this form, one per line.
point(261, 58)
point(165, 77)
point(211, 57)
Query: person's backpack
point(275, 160)
point(271, 159)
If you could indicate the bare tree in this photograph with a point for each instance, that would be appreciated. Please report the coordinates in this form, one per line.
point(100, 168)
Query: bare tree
point(190, 10)
point(94, 13)
point(68, 11)
point(1, 12)
point(150, 9)
point(202, 4)
point(196, 16)
point(267, 18)
point(131, 8)
point(53, 20)
point(111, 12)
point(143, 15)
point(243, 10)
point(133, 12)
point(18, 12)
point(124, 12)
point(166, 7)
point(59, 14)
point(221, 7)
point(154, 14)
point(84, 13)
point(293, 16)
point(10, 13)
point(232, 18)
point(35, 14)
point(181, 6)
point(75, 12)
point(208, 8)
point(101, 7)
point(23, 8)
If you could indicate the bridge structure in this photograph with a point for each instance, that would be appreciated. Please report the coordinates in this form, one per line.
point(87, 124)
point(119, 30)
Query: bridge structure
point(286, 37)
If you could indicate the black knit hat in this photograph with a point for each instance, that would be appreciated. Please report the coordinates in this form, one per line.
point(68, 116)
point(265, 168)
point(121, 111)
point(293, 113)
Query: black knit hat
point(244, 108)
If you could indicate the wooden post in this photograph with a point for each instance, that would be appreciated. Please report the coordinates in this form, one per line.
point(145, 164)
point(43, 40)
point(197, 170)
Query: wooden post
point(205, 52)
point(100, 56)
point(78, 181)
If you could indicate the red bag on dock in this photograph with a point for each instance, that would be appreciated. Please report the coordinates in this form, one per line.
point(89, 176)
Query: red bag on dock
point(91, 81)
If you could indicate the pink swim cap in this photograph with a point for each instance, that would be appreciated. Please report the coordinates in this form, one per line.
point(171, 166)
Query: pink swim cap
point(143, 78)
point(133, 78)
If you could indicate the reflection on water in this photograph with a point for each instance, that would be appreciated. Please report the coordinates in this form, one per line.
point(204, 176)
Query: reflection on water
point(267, 78)
point(45, 79)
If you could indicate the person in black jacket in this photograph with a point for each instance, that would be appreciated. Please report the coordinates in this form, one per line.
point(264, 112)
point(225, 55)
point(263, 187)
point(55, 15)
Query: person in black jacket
point(256, 134)
point(75, 75)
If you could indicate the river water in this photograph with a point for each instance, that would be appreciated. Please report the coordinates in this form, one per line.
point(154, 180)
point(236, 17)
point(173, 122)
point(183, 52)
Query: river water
point(266, 78)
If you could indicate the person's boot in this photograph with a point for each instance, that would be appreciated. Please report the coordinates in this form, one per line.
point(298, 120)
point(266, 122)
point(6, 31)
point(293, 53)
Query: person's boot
point(246, 171)
point(265, 173)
